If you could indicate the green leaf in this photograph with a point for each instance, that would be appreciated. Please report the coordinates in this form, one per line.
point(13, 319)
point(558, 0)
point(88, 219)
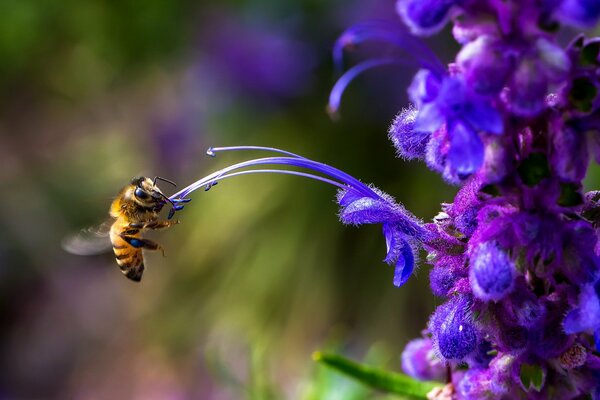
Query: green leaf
point(569, 195)
point(532, 377)
point(533, 169)
point(377, 378)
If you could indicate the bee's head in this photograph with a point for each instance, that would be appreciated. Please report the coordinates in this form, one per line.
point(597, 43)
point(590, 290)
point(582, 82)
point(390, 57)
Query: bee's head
point(147, 194)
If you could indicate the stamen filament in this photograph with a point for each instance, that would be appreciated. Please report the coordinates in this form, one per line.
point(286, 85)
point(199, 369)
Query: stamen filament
point(332, 176)
point(340, 86)
point(386, 32)
point(212, 151)
point(284, 172)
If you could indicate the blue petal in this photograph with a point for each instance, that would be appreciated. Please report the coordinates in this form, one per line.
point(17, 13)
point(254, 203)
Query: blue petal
point(366, 210)
point(483, 116)
point(580, 13)
point(452, 98)
point(424, 17)
point(381, 210)
point(346, 197)
point(404, 265)
point(429, 118)
point(409, 142)
point(466, 149)
point(587, 315)
point(424, 87)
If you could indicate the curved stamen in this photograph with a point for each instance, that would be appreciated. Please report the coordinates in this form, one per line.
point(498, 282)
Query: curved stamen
point(212, 151)
point(387, 32)
point(287, 161)
point(340, 86)
point(280, 171)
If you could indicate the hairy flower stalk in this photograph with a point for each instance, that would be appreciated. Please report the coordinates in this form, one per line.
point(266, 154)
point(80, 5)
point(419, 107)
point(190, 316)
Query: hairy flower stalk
point(514, 121)
point(359, 203)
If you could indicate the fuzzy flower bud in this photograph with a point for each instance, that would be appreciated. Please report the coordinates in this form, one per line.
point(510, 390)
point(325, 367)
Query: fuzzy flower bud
point(425, 17)
point(420, 362)
point(409, 143)
point(491, 272)
point(453, 330)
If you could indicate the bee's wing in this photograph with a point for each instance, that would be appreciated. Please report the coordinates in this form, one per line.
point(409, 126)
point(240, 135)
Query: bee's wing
point(89, 241)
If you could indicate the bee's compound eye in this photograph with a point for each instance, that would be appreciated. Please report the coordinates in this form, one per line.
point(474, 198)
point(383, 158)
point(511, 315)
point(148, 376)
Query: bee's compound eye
point(141, 194)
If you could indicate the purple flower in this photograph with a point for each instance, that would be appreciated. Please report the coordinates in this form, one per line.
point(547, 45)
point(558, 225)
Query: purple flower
point(453, 330)
point(516, 255)
point(410, 143)
point(425, 17)
point(586, 315)
point(359, 204)
point(580, 13)
point(419, 360)
point(543, 64)
point(448, 101)
point(491, 272)
point(487, 64)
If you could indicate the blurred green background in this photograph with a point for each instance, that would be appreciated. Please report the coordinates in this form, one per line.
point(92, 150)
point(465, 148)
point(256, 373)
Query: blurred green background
point(260, 273)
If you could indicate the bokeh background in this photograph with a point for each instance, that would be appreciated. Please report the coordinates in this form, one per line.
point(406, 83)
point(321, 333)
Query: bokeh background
point(260, 273)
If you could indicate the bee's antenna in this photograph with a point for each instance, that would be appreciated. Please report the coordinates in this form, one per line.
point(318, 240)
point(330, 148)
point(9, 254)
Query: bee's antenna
point(167, 199)
point(164, 180)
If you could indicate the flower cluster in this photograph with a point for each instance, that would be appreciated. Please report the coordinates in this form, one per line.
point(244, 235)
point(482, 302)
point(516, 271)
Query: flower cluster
point(516, 257)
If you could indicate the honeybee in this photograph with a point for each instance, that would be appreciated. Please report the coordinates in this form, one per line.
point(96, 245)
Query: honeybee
point(135, 210)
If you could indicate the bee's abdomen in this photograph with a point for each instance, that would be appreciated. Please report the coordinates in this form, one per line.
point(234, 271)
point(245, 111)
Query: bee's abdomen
point(129, 258)
point(130, 262)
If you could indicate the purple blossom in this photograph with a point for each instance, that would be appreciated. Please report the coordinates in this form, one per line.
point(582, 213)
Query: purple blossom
point(420, 362)
point(425, 17)
point(515, 121)
point(453, 329)
point(491, 272)
point(580, 13)
point(359, 204)
point(448, 101)
point(516, 255)
point(410, 143)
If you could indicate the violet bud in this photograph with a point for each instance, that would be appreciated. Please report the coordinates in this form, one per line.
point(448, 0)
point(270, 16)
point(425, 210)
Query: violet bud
point(425, 17)
point(420, 362)
point(491, 272)
point(452, 328)
point(409, 143)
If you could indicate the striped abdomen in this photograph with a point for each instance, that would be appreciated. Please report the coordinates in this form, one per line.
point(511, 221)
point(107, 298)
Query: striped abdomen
point(129, 258)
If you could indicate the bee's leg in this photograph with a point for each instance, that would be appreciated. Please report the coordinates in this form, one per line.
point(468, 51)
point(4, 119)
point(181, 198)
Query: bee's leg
point(142, 243)
point(160, 224)
point(152, 225)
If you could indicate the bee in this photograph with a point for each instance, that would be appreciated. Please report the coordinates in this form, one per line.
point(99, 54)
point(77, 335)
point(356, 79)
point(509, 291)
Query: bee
point(135, 210)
